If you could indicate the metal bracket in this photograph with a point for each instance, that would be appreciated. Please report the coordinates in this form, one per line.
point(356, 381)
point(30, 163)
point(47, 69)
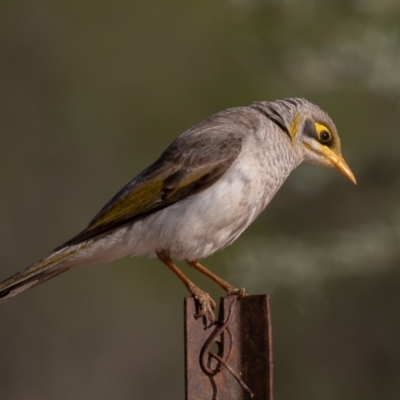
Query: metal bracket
point(233, 358)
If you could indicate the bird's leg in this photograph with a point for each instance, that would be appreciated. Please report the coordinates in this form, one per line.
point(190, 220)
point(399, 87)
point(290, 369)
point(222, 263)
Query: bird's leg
point(207, 304)
point(219, 281)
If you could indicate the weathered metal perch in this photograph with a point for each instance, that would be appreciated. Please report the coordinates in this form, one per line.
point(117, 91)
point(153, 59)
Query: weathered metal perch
point(231, 360)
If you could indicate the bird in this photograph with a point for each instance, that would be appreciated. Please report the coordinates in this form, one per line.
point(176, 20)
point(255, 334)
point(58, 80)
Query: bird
point(200, 195)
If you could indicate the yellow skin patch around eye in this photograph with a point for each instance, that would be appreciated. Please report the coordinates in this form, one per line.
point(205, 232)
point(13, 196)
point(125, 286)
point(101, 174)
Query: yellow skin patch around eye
point(319, 128)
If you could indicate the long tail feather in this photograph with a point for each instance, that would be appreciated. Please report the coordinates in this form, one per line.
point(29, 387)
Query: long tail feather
point(40, 272)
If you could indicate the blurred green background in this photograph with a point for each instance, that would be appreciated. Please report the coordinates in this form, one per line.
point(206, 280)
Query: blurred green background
point(91, 92)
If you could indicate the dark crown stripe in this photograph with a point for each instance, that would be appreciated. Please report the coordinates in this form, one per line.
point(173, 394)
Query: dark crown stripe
point(292, 101)
point(274, 116)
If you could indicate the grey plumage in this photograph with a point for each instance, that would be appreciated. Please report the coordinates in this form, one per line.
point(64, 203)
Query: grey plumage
point(203, 191)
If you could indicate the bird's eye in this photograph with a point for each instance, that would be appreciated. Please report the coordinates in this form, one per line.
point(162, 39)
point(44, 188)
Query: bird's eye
point(324, 134)
point(325, 137)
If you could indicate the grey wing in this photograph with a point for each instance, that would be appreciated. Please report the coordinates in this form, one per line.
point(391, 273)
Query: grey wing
point(191, 164)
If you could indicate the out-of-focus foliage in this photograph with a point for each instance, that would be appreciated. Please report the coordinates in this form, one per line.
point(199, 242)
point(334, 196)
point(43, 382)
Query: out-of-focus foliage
point(92, 92)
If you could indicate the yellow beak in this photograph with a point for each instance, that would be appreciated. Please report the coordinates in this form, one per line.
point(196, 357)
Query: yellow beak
point(342, 166)
point(336, 161)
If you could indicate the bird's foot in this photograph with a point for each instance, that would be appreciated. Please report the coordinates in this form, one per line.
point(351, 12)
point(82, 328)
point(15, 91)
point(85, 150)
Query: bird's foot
point(232, 291)
point(206, 302)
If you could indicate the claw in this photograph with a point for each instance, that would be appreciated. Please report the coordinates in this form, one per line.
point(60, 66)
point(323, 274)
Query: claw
point(207, 305)
point(237, 292)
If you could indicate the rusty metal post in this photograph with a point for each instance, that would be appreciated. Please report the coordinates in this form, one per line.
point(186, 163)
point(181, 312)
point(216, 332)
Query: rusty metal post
point(231, 360)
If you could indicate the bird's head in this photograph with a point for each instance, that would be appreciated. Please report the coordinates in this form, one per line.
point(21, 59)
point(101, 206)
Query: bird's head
point(311, 130)
point(321, 141)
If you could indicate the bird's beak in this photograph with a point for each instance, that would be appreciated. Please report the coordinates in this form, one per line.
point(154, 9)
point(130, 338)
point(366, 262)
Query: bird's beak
point(342, 166)
point(335, 161)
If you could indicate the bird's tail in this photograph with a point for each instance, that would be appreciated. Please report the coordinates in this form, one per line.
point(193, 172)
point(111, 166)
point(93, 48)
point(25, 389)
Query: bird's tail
point(51, 266)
